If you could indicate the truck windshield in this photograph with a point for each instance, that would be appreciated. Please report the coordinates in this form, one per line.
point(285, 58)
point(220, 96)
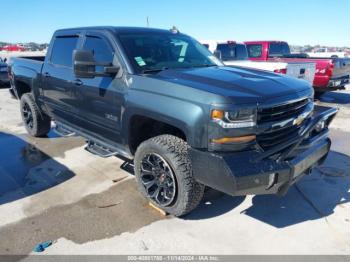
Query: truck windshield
point(153, 52)
point(232, 51)
point(278, 49)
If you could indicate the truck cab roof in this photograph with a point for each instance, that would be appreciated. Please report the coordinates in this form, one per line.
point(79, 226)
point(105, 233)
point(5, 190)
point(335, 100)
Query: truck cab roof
point(115, 29)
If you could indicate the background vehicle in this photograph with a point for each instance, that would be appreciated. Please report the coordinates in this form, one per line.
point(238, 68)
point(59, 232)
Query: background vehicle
point(331, 73)
point(324, 52)
point(236, 54)
point(4, 78)
point(12, 48)
point(161, 98)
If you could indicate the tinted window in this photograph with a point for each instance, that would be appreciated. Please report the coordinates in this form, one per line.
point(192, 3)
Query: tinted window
point(100, 48)
point(254, 51)
point(62, 50)
point(158, 51)
point(232, 52)
point(278, 49)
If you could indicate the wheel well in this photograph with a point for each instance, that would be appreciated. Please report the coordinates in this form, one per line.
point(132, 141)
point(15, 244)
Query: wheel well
point(22, 88)
point(143, 128)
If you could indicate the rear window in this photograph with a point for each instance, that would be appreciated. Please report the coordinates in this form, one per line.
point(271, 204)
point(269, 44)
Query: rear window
point(278, 49)
point(232, 51)
point(62, 50)
point(254, 51)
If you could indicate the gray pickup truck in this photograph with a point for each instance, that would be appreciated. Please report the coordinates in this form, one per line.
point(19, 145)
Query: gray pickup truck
point(161, 99)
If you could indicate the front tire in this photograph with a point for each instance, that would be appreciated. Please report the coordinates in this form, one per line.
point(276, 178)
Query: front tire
point(163, 172)
point(36, 123)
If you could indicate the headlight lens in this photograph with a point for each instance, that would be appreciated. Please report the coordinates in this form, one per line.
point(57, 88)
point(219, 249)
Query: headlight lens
point(240, 118)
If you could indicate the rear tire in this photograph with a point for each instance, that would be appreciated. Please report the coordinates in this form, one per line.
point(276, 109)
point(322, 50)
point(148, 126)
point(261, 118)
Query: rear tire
point(36, 123)
point(179, 193)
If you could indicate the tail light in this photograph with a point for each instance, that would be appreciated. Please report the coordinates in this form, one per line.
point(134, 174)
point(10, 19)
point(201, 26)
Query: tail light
point(281, 71)
point(329, 69)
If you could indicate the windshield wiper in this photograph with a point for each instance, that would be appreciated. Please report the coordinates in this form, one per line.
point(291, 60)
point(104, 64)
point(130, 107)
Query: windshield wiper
point(204, 65)
point(156, 70)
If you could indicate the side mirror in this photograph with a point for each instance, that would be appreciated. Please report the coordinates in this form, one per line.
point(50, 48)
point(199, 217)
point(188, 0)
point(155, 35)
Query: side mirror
point(217, 53)
point(84, 64)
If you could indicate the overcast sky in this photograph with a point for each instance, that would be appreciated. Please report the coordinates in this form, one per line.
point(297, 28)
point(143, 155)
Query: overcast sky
point(296, 21)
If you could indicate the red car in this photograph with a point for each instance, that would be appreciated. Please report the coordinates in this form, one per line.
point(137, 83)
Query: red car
point(331, 73)
point(13, 48)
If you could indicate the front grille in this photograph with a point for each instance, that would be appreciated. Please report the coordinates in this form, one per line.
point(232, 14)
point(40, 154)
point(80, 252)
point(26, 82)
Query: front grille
point(282, 112)
point(277, 113)
point(270, 139)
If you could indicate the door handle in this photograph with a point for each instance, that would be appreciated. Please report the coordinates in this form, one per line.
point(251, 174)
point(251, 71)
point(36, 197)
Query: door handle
point(77, 82)
point(46, 74)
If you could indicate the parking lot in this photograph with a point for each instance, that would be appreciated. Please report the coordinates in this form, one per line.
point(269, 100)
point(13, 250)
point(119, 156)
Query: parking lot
point(52, 189)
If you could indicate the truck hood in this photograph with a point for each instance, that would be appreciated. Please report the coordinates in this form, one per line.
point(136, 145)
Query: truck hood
point(236, 82)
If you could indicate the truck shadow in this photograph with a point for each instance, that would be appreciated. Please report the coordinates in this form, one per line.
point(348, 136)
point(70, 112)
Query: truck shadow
point(314, 197)
point(335, 98)
point(26, 170)
point(214, 204)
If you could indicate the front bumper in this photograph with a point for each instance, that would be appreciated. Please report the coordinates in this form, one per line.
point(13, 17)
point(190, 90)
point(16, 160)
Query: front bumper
point(269, 172)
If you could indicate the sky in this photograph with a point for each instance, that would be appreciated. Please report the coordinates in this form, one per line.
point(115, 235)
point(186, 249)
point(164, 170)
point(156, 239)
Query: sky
point(299, 22)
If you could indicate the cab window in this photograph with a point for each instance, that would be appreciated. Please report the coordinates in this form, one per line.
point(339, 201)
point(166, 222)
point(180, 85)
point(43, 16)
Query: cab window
point(254, 51)
point(100, 48)
point(62, 50)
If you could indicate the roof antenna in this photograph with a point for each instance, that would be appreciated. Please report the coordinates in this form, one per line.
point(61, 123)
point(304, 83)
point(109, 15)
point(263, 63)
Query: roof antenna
point(147, 19)
point(174, 30)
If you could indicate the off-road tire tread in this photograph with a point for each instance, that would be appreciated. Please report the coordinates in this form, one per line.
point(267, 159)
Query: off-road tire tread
point(41, 122)
point(178, 149)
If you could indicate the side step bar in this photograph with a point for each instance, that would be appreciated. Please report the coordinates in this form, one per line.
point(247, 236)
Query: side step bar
point(62, 131)
point(99, 150)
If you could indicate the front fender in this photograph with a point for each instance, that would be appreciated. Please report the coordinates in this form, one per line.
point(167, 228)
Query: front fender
point(185, 115)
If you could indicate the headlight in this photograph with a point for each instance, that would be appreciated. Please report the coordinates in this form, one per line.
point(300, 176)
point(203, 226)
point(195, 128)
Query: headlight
point(235, 119)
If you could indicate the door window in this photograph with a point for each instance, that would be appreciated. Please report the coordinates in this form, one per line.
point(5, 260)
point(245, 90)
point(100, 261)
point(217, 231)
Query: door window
point(62, 51)
point(100, 48)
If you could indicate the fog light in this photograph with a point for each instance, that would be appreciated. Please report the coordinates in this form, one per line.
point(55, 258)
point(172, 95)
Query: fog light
point(320, 126)
point(272, 180)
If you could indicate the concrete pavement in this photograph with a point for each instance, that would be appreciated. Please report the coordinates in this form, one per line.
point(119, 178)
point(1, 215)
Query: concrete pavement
point(52, 189)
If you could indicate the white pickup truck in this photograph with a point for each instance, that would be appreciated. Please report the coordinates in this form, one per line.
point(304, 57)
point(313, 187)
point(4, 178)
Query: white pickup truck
point(324, 52)
point(235, 54)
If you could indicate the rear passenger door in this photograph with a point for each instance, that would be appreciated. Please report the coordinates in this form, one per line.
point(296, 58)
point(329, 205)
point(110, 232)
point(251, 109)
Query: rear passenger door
point(58, 87)
point(101, 98)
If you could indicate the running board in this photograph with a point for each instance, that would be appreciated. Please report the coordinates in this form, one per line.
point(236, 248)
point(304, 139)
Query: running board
point(62, 131)
point(100, 150)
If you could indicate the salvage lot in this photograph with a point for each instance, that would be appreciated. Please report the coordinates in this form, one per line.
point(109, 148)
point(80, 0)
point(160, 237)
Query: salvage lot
point(52, 189)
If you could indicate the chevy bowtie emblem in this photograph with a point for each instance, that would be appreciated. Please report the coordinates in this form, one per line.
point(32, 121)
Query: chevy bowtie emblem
point(299, 120)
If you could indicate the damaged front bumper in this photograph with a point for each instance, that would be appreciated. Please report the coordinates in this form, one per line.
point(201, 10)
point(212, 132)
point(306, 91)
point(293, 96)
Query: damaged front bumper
point(268, 172)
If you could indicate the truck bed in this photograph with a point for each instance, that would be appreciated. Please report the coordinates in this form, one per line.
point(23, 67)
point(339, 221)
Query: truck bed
point(341, 65)
point(34, 63)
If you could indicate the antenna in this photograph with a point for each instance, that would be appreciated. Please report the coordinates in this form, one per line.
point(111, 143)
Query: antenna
point(147, 19)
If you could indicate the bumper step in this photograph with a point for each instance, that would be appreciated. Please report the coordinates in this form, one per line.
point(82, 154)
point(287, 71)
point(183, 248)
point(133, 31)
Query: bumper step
point(62, 131)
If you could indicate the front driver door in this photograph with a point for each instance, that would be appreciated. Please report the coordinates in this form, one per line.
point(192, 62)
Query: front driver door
point(100, 98)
